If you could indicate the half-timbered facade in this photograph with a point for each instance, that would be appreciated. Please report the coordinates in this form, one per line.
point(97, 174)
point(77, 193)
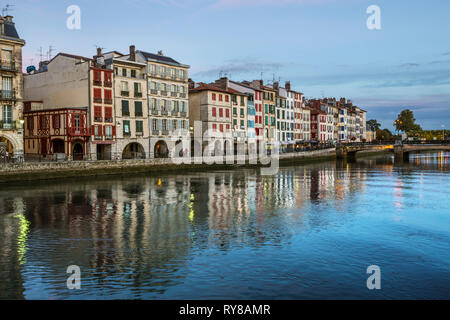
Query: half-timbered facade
point(55, 134)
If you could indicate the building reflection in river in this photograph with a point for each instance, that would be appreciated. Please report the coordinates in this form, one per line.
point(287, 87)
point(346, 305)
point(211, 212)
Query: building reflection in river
point(134, 236)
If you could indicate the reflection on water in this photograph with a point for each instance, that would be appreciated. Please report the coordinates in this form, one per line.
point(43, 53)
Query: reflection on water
point(308, 232)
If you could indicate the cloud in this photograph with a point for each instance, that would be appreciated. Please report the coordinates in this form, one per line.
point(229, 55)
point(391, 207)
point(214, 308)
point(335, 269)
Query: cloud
point(440, 62)
point(408, 65)
point(241, 67)
point(446, 54)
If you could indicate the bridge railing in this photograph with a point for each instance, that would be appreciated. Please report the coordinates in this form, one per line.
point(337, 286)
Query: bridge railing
point(425, 142)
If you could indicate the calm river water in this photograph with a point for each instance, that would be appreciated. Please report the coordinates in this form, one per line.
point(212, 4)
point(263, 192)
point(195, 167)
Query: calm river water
point(309, 232)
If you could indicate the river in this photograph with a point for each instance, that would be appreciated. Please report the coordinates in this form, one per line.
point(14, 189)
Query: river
point(311, 231)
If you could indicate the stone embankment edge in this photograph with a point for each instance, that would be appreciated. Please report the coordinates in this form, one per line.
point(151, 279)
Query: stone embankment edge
point(32, 171)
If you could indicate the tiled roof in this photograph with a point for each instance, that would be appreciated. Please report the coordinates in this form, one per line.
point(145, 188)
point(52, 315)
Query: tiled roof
point(73, 56)
point(204, 86)
point(157, 57)
point(10, 30)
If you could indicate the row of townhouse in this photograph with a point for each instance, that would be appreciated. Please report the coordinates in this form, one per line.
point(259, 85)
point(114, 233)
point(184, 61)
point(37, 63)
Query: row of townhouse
point(335, 120)
point(142, 105)
point(117, 106)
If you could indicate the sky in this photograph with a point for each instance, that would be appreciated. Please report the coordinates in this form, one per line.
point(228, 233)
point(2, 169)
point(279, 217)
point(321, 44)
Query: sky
point(322, 46)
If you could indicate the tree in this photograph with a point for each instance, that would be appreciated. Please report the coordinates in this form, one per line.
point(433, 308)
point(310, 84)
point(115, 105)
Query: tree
point(384, 135)
point(373, 125)
point(406, 122)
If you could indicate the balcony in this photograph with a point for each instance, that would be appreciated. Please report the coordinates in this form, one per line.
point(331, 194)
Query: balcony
point(98, 83)
point(138, 114)
point(165, 132)
point(79, 132)
point(108, 101)
point(164, 93)
point(107, 84)
point(125, 93)
point(183, 114)
point(182, 95)
point(155, 132)
point(139, 133)
point(8, 95)
point(138, 94)
point(6, 65)
point(164, 112)
point(7, 125)
point(98, 100)
point(153, 91)
point(155, 112)
point(173, 94)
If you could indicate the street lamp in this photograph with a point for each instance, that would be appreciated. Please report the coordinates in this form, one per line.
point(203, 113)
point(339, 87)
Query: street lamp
point(443, 132)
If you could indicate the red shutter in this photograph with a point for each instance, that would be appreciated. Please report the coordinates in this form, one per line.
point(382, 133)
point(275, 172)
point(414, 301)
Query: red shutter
point(228, 113)
point(114, 131)
point(97, 93)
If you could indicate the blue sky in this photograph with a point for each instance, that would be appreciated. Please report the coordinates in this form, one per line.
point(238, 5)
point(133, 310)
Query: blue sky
point(322, 46)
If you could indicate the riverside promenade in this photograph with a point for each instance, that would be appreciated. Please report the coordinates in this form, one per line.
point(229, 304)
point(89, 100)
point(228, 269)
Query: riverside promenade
point(30, 171)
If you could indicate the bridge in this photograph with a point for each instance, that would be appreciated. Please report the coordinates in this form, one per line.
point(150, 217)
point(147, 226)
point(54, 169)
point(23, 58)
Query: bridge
point(401, 150)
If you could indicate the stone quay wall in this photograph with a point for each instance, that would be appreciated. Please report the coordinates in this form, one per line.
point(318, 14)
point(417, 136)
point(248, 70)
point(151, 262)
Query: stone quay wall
point(29, 171)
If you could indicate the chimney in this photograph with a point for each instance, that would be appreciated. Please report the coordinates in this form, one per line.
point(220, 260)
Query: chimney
point(261, 82)
point(9, 18)
point(99, 52)
point(288, 85)
point(160, 53)
point(191, 83)
point(223, 83)
point(276, 85)
point(132, 53)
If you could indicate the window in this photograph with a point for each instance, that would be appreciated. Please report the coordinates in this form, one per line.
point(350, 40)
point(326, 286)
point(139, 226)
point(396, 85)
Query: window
point(108, 96)
point(108, 132)
point(56, 121)
point(98, 131)
point(97, 76)
point(214, 127)
point(108, 114)
point(126, 127)
point(242, 112)
point(138, 108)
point(220, 113)
point(227, 112)
point(174, 124)
point(7, 114)
point(227, 98)
point(235, 111)
point(98, 114)
point(137, 89)
point(124, 72)
point(108, 77)
point(98, 95)
point(139, 126)
point(133, 73)
point(125, 108)
point(124, 87)
point(242, 100)
point(221, 127)
point(213, 112)
point(214, 96)
point(220, 97)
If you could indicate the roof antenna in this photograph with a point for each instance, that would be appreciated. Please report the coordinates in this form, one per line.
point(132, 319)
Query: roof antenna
point(50, 51)
point(6, 10)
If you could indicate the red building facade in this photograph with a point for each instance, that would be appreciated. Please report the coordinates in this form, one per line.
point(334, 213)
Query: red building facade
point(53, 133)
